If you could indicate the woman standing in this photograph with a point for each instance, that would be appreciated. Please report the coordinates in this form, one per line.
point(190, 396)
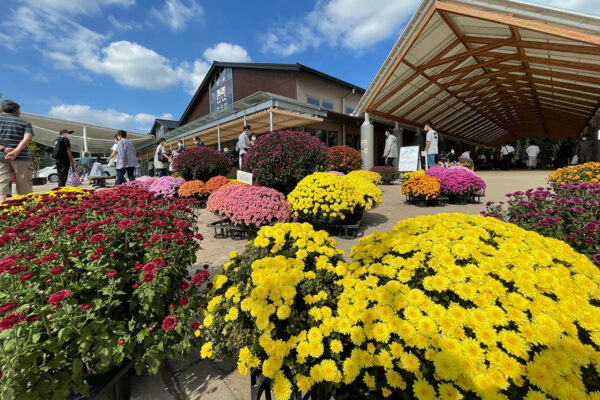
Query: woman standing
point(161, 159)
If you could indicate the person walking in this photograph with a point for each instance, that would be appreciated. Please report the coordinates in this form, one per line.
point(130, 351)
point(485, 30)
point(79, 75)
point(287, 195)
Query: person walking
point(390, 153)
point(85, 164)
point(126, 158)
point(63, 156)
point(507, 154)
point(431, 145)
point(113, 150)
point(532, 153)
point(15, 136)
point(243, 143)
point(585, 150)
point(161, 159)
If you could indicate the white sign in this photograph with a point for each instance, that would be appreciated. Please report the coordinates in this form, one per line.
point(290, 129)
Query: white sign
point(409, 158)
point(244, 177)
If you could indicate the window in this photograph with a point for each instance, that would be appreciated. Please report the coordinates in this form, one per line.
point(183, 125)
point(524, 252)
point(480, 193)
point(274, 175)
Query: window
point(313, 101)
point(349, 110)
point(327, 105)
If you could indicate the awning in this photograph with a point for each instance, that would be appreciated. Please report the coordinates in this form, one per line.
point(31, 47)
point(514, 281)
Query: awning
point(490, 71)
point(99, 138)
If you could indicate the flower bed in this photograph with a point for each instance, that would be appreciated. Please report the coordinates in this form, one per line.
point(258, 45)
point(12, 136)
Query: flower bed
point(324, 198)
point(345, 159)
point(454, 306)
point(281, 159)
point(166, 186)
point(191, 190)
point(388, 174)
point(214, 184)
point(371, 176)
point(570, 213)
point(145, 184)
point(268, 307)
point(408, 175)
point(588, 172)
point(249, 206)
point(422, 187)
point(89, 281)
point(369, 195)
point(458, 181)
point(201, 163)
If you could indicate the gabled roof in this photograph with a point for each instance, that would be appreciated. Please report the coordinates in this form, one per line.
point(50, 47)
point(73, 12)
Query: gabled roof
point(262, 66)
point(488, 71)
point(167, 123)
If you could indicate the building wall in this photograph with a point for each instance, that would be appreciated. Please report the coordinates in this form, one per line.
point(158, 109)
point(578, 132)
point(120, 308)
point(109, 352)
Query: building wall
point(201, 109)
point(312, 86)
point(250, 81)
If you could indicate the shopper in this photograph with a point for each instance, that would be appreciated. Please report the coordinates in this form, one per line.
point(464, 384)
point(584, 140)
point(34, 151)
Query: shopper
point(113, 150)
point(243, 143)
point(452, 156)
point(585, 150)
point(63, 156)
point(507, 152)
point(151, 168)
point(390, 153)
point(431, 145)
point(466, 155)
point(161, 159)
point(126, 159)
point(532, 153)
point(198, 142)
point(15, 136)
point(85, 164)
point(97, 174)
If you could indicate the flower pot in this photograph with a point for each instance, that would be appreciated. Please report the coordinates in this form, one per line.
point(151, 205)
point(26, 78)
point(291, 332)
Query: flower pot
point(460, 200)
point(111, 385)
point(39, 181)
point(421, 203)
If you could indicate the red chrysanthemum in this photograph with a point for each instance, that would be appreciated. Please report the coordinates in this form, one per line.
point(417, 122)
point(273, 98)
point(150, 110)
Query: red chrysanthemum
point(57, 270)
point(183, 301)
point(135, 285)
point(200, 277)
point(111, 274)
point(85, 306)
point(184, 285)
point(121, 342)
point(59, 296)
point(33, 318)
point(11, 320)
point(169, 323)
point(148, 278)
point(196, 325)
point(26, 276)
point(7, 306)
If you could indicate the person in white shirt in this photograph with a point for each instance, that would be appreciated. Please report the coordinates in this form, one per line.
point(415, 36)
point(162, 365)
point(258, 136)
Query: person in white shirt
point(391, 148)
point(431, 145)
point(507, 152)
point(532, 153)
point(466, 155)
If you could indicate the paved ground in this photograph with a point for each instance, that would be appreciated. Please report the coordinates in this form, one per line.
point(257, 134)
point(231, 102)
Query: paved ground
point(194, 378)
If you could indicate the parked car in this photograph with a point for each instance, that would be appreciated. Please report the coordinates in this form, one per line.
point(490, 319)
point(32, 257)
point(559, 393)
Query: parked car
point(52, 175)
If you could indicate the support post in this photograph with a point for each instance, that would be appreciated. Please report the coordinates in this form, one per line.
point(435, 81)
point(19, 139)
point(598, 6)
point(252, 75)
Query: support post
point(85, 143)
point(367, 142)
point(343, 132)
point(397, 132)
point(271, 120)
point(219, 137)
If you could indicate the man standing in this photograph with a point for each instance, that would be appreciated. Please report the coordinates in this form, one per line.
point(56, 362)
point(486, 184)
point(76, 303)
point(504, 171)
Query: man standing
point(126, 159)
point(243, 143)
point(85, 163)
point(532, 153)
point(507, 154)
point(585, 150)
point(431, 145)
point(15, 136)
point(391, 148)
point(198, 142)
point(63, 156)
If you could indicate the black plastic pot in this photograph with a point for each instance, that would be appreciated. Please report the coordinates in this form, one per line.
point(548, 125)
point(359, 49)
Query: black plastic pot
point(39, 181)
point(111, 385)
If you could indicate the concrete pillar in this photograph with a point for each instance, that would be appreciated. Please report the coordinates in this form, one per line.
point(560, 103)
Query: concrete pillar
point(367, 143)
point(219, 137)
point(398, 133)
point(85, 144)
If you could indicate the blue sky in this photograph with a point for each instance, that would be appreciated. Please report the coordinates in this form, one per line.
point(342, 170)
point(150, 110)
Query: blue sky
point(122, 63)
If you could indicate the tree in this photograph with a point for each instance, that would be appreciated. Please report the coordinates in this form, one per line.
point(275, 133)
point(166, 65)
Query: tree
point(36, 152)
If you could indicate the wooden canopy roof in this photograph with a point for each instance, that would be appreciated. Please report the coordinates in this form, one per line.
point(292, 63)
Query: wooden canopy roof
point(491, 71)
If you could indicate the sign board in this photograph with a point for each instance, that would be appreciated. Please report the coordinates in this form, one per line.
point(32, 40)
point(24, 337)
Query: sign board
point(409, 159)
point(244, 177)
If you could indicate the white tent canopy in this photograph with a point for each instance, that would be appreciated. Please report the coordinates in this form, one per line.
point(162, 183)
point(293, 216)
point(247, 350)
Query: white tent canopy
point(85, 137)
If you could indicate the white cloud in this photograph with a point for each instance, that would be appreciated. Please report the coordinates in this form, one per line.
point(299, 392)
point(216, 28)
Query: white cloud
point(122, 26)
point(176, 14)
point(77, 7)
point(226, 52)
point(109, 117)
point(70, 45)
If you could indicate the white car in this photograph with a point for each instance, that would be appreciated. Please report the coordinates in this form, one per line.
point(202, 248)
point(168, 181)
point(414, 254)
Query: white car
point(52, 175)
